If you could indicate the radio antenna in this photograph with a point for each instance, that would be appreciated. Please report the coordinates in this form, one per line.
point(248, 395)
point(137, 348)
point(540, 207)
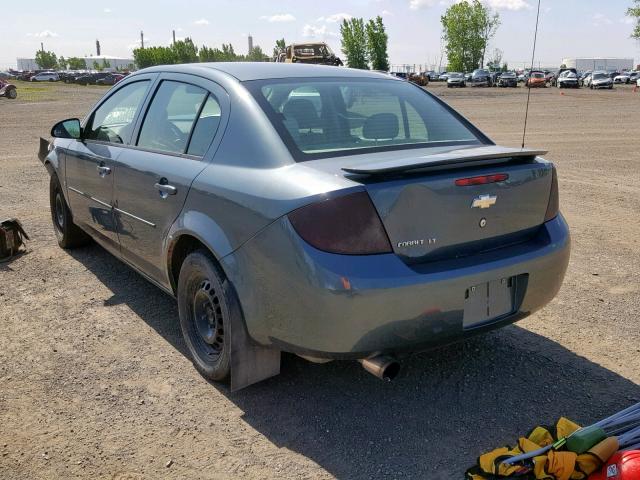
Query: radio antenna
point(533, 56)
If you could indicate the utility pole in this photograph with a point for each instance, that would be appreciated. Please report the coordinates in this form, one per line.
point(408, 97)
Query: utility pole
point(98, 48)
point(250, 44)
point(174, 36)
point(42, 47)
point(141, 39)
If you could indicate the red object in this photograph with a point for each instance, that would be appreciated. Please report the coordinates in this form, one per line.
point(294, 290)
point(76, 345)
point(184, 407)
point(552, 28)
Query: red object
point(622, 466)
point(482, 180)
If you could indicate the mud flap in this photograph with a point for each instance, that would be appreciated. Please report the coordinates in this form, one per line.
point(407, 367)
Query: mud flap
point(250, 363)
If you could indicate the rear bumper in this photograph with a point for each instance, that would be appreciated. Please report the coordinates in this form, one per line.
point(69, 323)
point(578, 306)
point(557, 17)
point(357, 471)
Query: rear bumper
point(305, 301)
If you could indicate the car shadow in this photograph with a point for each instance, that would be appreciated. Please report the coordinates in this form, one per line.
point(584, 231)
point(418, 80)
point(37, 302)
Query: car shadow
point(446, 407)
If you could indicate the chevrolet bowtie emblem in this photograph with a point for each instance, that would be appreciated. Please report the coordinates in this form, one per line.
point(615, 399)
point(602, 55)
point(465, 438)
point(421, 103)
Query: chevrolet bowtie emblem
point(484, 201)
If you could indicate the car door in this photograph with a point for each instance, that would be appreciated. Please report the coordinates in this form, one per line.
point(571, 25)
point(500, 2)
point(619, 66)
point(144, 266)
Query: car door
point(183, 121)
point(90, 161)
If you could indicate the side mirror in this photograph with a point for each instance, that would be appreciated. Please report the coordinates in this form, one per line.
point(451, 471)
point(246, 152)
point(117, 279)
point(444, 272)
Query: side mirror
point(69, 128)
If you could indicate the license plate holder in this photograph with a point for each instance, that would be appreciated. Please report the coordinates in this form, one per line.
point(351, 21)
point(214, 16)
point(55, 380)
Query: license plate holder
point(488, 301)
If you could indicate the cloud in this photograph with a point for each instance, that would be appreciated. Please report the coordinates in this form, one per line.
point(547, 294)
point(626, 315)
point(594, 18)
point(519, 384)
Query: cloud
point(627, 20)
point(279, 18)
point(315, 31)
point(107, 10)
point(599, 19)
point(513, 5)
point(201, 22)
point(336, 18)
point(43, 34)
point(419, 4)
point(386, 13)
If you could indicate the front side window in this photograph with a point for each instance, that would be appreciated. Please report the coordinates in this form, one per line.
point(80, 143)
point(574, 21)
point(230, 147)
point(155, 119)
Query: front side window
point(113, 120)
point(320, 118)
point(170, 118)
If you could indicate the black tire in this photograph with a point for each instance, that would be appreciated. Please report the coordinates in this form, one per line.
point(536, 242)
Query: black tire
point(205, 315)
point(12, 93)
point(68, 234)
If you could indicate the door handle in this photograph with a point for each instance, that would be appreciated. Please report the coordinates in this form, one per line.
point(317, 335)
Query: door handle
point(103, 171)
point(166, 190)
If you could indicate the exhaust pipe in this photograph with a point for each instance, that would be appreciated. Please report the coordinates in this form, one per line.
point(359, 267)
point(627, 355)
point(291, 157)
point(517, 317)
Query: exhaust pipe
point(381, 366)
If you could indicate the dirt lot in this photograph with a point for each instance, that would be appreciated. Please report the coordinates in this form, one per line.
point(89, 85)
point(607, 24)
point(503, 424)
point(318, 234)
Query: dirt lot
point(95, 382)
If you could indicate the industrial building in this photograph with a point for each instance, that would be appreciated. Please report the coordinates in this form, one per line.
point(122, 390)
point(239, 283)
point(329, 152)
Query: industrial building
point(583, 64)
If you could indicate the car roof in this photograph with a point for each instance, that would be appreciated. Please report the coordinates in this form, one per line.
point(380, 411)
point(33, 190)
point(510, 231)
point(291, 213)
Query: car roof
point(245, 71)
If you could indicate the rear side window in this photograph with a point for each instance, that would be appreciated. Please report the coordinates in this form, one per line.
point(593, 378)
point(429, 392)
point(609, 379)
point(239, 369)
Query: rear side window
point(320, 118)
point(171, 116)
point(113, 120)
point(206, 127)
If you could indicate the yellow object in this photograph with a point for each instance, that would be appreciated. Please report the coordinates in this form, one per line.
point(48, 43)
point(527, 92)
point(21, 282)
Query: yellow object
point(552, 465)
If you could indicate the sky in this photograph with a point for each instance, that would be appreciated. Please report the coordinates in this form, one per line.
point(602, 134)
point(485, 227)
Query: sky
point(568, 28)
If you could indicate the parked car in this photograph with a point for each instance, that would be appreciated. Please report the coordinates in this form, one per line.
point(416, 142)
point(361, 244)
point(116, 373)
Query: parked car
point(494, 78)
point(584, 75)
point(431, 75)
point(45, 77)
point(634, 76)
point(110, 79)
point(508, 79)
point(7, 76)
point(536, 80)
point(600, 80)
point(8, 90)
point(456, 80)
point(467, 77)
point(318, 53)
point(443, 77)
point(401, 75)
point(568, 79)
point(585, 80)
point(622, 78)
point(554, 79)
point(90, 78)
point(481, 78)
point(279, 226)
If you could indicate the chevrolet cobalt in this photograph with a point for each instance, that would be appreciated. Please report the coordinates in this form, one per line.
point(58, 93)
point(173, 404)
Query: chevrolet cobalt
point(324, 211)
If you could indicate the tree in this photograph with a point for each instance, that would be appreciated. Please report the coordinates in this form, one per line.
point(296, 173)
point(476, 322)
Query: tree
point(257, 55)
point(184, 51)
point(495, 63)
point(62, 63)
point(105, 63)
point(46, 60)
point(354, 43)
point(377, 40)
point(96, 65)
point(280, 47)
point(634, 12)
point(76, 63)
point(467, 28)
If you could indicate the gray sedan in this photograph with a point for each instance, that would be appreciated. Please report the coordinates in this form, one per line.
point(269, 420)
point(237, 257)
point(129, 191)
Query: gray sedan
point(324, 211)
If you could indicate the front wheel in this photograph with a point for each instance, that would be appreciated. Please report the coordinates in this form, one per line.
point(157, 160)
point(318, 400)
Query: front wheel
point(12, 93)
point(204, 312)
point(68, 234)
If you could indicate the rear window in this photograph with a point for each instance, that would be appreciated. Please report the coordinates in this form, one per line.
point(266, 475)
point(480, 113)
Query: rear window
point(320, 118)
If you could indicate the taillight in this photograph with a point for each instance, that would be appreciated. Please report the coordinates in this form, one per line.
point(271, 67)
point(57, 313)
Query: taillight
point(481, 180)
point(347, 225)
point(554, 199)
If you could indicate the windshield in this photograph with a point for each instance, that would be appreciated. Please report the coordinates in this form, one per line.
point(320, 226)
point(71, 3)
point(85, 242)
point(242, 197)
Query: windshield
point(508, 75)
point(455, 75)
point(537, 75)
point(320, 118)
point(598, 76)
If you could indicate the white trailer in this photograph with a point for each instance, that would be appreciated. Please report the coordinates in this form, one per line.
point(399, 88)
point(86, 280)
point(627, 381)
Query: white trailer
point(583, 64)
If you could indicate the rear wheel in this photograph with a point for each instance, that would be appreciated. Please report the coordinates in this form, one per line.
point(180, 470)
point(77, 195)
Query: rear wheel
point(205, 315)
point(68, 234)
point(12, 93)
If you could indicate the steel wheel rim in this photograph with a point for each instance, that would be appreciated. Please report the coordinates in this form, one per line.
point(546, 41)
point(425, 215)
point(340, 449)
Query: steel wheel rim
point(208, 321)
point(59, 211)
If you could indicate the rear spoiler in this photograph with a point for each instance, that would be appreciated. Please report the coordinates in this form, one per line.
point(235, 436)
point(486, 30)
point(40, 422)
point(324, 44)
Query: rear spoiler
point(476, 155)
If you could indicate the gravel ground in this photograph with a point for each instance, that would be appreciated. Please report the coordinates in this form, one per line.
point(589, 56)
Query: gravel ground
point(95, 382)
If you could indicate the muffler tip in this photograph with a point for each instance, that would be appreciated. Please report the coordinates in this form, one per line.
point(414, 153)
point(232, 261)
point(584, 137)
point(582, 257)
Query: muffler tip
point(381, 366)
